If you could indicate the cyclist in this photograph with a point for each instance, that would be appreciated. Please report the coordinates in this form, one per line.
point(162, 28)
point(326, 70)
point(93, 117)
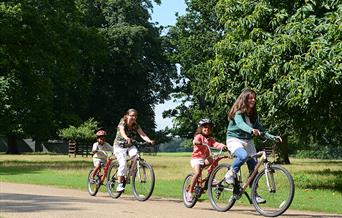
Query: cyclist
point(243, 125)
point(128, 129)
point(200, 155)
point(99, 158)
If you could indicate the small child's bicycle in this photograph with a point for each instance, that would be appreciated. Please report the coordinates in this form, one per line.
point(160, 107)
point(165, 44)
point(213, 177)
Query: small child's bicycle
point(201, 184)
point(273, 183)
point(140, 173)
point(95, 182)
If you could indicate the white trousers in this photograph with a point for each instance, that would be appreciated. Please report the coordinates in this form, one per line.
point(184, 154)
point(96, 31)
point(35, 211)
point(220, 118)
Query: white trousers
point(121, 155)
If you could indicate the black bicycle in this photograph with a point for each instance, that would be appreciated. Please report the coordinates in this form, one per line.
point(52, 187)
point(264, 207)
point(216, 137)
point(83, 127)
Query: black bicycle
point(273, 183)
point(140, 173)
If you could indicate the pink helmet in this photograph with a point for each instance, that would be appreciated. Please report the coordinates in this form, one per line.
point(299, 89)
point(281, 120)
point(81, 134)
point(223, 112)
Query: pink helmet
point(101, 133)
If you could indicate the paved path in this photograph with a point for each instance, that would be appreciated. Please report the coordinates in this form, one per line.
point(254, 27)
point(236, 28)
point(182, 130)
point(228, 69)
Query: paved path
point(21, 200)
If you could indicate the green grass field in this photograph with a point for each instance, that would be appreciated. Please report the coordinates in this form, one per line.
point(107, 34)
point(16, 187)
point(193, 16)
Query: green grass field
point(318, 182)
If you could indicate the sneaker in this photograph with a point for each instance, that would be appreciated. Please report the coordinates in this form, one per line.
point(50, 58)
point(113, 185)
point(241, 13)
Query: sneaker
point(215, 182)
point(229, 177)
point(259, 199)
point(120, 187)
point(188, 196)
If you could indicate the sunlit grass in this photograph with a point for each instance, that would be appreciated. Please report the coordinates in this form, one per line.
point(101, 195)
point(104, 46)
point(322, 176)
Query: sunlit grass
point(318, 182)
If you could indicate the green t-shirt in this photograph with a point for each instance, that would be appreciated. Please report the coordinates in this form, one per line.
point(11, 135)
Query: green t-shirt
point(240, 127)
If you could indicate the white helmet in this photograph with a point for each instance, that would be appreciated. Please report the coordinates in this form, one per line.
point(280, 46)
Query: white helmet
point(205, 121)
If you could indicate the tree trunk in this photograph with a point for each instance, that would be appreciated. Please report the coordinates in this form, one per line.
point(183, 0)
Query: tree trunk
point(12, 147)
point(283, 151)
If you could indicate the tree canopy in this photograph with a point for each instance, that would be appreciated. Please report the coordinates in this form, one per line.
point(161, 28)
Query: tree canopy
point(63, 62)
point(288, 51)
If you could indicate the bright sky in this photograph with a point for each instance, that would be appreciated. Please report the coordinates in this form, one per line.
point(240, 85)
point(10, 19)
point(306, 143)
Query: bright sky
point(164, 14)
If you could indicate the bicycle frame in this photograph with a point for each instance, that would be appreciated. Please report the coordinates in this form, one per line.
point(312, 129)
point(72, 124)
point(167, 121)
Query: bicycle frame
point(136, 165)
point(263, 160)
point(202, 182)
point(110, 158)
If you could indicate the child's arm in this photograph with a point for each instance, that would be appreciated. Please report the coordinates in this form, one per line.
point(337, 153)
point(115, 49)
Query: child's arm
point(94, 149)
point(219, 145)
point(198, 140)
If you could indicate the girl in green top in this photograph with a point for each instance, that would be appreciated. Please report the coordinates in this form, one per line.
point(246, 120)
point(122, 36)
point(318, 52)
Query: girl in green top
point(243, 125)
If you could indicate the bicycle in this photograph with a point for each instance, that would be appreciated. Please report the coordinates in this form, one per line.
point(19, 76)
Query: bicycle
point(142, 177)
point(95, 182)
point(274, 183)
point(201, 184)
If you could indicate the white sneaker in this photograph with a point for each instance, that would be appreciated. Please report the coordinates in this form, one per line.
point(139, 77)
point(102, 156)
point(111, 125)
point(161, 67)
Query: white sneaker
point(259, 199)
point(120, 187)
point(188, 196)
point(229, 177)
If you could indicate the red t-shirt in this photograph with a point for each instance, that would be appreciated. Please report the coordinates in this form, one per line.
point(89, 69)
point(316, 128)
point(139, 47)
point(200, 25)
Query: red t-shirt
point(200, 149)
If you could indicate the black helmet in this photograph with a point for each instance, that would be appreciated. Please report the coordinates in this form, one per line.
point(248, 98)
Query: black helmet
point(205, 121)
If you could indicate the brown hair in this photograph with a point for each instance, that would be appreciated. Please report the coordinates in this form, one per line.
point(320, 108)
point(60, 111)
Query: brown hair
point(241, 105)
point(199, 131)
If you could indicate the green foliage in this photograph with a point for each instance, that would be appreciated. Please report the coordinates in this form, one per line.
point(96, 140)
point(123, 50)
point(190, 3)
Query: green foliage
point(288, 51)
point(62, 62)
point(187, 145)
point(321, 152)
point(85, 132)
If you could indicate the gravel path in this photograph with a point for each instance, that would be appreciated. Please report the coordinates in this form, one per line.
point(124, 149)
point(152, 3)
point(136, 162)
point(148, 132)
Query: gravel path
point(22, 200)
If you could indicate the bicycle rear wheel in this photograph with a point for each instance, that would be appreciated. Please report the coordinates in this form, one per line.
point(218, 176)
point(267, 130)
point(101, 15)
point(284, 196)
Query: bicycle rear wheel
point(186, 186)
point(221, 194)
point(278, 194)
point(112, 181)
point(93, 183)
point(143, 181)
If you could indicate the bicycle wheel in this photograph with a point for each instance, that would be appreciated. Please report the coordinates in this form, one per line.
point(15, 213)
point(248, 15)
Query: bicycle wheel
point(93, 183)
point(276, 187)
point(112, 181)
point(143, 181)
point(221, 194)
point(186, 186)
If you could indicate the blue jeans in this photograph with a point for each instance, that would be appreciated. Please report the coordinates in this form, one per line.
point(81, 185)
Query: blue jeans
point(241, 157)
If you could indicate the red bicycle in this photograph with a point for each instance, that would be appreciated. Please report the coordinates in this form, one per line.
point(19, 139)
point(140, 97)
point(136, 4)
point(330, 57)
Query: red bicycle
point(95, 182)
point(201, 185)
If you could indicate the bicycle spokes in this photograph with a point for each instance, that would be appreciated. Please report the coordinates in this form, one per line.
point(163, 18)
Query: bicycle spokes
point(276, 188)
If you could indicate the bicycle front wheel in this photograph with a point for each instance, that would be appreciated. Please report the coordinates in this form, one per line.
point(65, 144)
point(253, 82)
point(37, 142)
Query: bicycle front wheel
point(112, 181)
point(276, 187)
point(143, 181)
point(221, 194)
point(185, 189)
point(93, 183)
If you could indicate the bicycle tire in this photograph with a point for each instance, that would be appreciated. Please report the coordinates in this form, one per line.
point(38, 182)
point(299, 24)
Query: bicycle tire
point(280, 197)
point(112, 181)
point(143, 180)
point(221, 194)
point(93, 184)
point(185, 188)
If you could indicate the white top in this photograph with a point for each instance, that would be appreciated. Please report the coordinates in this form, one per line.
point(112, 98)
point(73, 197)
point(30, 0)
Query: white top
point(104, 147)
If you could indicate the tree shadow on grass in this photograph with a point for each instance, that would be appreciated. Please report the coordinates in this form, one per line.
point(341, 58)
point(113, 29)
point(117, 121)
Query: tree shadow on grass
point(334, 183)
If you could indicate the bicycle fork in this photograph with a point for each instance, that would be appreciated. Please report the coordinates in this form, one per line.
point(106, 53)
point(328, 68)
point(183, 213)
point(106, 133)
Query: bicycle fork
point(269, 173)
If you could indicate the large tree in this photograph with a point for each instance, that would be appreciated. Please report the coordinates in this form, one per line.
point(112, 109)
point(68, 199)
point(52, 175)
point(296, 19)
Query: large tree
point(193, 39)
point(290, 52)
point(65, 61)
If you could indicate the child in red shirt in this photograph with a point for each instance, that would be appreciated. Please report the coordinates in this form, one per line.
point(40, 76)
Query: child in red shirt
point(200, 155)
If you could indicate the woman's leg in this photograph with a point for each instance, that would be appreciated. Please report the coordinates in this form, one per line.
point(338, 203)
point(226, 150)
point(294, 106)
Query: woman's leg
point(240, 158)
